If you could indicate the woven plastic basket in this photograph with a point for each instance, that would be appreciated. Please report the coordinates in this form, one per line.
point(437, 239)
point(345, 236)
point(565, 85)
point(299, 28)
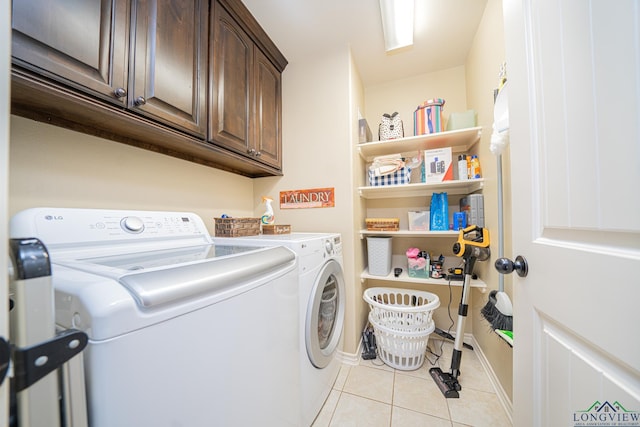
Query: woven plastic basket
point(402, 310)
point(401, 350)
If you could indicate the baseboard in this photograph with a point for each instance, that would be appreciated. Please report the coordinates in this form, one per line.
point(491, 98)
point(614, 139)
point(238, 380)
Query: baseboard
point(500, 392)
point(349, 358)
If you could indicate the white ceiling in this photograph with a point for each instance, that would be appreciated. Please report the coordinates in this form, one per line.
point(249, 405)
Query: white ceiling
point(444, 31)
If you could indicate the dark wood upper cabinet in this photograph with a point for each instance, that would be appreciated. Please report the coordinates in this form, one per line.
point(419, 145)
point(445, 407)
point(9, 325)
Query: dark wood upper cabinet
point(268, 110)
point(81, 43)
point(149, 56)
point(246, 90)
point(169, 62)
point(153, 74)
point(231, 56)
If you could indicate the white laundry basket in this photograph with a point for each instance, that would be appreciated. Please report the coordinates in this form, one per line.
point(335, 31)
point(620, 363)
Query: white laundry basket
point(402, 320)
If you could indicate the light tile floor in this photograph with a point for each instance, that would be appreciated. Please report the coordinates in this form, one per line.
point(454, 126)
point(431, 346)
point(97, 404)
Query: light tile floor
point(373, 394)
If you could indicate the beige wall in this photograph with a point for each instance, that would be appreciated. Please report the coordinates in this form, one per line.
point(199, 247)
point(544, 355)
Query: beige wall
point(317, 144)
point(405, 95)
point(51, 166)
point(482, 67)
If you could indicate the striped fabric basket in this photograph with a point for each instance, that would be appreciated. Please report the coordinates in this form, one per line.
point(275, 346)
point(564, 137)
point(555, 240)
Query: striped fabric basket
point(427, 118)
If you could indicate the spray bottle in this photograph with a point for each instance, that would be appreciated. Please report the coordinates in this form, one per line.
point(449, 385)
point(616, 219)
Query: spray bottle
point(268, 217)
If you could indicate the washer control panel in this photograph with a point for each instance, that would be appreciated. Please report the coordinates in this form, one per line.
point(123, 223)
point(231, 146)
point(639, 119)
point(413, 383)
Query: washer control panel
point(61, 226)
point(132, 224)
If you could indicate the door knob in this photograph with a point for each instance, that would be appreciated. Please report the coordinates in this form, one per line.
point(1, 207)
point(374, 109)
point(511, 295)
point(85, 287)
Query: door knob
point(140, 101)
point(506, 266)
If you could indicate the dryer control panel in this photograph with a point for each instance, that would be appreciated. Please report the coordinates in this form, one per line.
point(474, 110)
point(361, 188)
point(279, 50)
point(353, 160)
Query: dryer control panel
point(333, 246)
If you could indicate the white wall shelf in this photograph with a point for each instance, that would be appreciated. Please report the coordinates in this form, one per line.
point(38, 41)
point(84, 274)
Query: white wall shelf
point(421, 189)
point(405, 278)
point(407, 233)
point(460, 141)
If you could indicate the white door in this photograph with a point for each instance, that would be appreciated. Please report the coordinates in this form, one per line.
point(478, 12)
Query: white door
point(574, 89)
point(5, 72)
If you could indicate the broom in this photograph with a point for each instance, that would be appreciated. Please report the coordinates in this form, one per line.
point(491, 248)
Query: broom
point(499, 311)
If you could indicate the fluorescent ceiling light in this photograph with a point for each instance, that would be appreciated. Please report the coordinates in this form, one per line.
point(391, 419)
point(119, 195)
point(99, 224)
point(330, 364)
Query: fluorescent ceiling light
point(397, 23)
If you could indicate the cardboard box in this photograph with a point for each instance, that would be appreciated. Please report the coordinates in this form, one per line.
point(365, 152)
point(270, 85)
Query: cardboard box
point(364, 132)
point(437, 164)
point(276, 229)
point(473, 206)
point(418, 220)
point(462, 120)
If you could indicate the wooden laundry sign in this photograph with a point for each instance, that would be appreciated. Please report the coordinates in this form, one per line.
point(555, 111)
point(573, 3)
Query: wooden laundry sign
point(310, 198)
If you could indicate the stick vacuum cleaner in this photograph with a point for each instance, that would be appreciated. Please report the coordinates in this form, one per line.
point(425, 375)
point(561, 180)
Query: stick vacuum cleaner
point(472, 246)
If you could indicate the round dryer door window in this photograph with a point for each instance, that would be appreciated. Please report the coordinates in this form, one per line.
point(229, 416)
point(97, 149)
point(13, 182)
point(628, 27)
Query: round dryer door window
point(325, 314)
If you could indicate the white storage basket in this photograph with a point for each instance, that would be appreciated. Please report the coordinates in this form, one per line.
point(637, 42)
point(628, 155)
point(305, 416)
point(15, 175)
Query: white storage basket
point(402, 310)
point(379, 255)
point(402, 320)
point(401, 350)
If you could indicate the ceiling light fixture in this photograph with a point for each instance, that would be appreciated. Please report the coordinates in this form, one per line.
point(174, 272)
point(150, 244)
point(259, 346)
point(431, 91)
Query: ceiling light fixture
point(397, 23)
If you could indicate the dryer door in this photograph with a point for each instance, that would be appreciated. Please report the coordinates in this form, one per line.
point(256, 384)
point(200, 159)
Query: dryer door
point(325, 314)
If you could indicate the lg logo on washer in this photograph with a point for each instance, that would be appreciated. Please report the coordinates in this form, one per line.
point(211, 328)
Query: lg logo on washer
point(53, 217)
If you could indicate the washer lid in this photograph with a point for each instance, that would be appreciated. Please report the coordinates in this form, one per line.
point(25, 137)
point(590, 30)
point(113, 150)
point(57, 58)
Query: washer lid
point(159, 277)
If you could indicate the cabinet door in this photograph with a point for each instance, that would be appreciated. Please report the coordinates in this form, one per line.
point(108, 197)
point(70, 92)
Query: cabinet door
point(82, 43)
point(169, 58)
point(231, 95)
point(268, 110)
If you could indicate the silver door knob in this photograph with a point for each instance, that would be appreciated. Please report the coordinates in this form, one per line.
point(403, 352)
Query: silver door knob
point(140, 101)
point(506, 266)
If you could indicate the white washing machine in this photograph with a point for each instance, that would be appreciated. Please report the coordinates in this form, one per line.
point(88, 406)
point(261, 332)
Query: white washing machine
point(322, 307)
point(182, 332)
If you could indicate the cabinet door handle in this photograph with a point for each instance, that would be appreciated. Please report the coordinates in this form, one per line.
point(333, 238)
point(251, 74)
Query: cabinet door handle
point(140, 101)
point(120, 93)
point(251, 151)
point(258, 153)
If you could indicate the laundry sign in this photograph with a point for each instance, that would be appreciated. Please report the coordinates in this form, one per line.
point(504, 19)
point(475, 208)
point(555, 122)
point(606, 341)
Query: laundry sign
point(309, 198)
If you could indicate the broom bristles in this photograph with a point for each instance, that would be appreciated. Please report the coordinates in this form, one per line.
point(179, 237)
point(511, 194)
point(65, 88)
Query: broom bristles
point(493, 315)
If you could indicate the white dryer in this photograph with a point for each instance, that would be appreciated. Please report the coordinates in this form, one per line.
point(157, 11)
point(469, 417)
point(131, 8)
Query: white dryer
point(322, 308)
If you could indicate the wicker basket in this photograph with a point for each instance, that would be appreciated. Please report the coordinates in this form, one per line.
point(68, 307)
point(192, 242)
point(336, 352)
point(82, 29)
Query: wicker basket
point(237, 227)
point(382, 224)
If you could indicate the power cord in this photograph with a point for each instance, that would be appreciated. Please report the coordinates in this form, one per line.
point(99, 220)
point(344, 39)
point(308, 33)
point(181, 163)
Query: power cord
point(448, 332)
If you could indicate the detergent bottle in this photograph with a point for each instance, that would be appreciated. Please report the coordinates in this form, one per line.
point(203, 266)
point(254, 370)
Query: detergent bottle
point(267, 217)
point(475, 168)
